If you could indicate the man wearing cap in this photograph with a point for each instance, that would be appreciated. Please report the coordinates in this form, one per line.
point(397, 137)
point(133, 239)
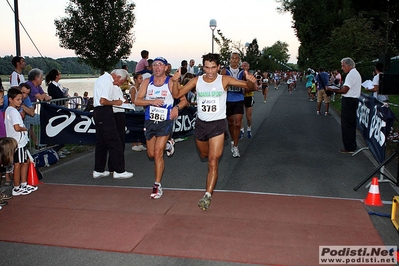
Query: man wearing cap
point(156, 93)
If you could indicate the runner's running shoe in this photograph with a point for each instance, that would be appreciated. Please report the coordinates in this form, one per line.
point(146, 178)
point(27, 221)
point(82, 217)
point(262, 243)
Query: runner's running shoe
point(156, 191)
point(241, 134)
point(205, 202)
point(171, 150)
point(236, 152)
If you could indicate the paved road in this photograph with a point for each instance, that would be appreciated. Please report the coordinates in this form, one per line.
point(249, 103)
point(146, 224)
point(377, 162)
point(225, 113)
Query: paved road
point(293, 152)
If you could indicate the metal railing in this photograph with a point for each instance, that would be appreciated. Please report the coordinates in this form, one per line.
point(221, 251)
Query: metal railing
point(33, 123)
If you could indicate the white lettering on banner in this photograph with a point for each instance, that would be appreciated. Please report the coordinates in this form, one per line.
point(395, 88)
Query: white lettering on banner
point(375, 129)
point(183, 123)
point(84, 126)
point(81, 127)
point(52, 130)
point(363, 112)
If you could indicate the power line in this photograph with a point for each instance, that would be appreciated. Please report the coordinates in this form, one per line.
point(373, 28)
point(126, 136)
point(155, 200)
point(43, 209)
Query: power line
point(37, 49)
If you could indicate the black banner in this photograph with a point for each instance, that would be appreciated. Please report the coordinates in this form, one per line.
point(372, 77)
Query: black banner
point(374, 120)
point(61, 125)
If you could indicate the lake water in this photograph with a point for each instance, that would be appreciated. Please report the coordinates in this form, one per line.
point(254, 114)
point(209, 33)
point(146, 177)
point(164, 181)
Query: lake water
point(74, 85)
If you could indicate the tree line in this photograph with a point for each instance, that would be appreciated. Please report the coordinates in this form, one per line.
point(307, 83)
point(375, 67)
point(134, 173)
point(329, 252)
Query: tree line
point(330, 30)
point(67, 65)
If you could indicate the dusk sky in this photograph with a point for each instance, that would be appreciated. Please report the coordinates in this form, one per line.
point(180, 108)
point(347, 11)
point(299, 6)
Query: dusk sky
point(174, 29)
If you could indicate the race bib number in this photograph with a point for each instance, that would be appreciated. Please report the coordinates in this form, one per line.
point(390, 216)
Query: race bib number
point(158, 113)
point(209, 105)
point(234, 89)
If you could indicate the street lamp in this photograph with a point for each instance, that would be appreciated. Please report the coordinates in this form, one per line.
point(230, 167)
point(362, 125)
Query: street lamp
point(212, 25)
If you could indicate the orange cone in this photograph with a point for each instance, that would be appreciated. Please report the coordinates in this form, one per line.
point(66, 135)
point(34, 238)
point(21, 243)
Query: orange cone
point(373, 198)
point(33, 180)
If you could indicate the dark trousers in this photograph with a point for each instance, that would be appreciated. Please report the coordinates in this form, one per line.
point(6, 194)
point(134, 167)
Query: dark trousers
point(107, 141)
point(348, 122)
point(120, 120)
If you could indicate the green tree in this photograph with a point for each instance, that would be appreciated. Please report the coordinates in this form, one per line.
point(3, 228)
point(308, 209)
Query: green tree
point(224, 48)
point(315, 23)
point(252, 54)
point(278, 52)
point(357, 36)
point(99, 31)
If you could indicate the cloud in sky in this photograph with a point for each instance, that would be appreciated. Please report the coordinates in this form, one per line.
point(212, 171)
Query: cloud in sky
point(174, 29)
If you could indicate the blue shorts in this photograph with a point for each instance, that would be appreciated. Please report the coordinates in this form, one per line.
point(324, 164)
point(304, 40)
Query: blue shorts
point(159, 129)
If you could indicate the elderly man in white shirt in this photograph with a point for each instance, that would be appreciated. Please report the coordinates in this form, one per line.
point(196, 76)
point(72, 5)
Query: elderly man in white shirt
point(350, 91)
point(108, 139)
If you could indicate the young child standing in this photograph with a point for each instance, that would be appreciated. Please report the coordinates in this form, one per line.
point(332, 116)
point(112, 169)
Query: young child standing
point(7, 148)
point(8, 168)
point(15, 129)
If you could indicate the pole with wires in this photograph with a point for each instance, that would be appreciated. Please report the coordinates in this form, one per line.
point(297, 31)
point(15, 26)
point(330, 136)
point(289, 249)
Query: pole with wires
point(17, 39)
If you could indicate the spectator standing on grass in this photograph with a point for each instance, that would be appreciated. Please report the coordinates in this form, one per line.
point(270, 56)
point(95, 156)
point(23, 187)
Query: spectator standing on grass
point(379, 68)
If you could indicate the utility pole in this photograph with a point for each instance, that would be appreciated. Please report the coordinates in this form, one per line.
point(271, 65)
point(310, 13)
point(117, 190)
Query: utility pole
point(17, 39)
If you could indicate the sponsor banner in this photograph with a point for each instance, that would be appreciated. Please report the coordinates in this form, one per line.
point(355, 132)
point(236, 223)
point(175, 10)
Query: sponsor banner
point(381, 255)
point(60, 125)
point(374, 120)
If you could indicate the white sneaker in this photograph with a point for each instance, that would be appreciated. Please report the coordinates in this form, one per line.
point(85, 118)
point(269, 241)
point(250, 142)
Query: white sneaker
point(172, 148)
point(142, 148)
point(136, 148)
point(97, 175)
point(123, 175)
point(30, 188)
point(20, 191)
point(232, 146)
point(236, 153)
point(156, 192)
